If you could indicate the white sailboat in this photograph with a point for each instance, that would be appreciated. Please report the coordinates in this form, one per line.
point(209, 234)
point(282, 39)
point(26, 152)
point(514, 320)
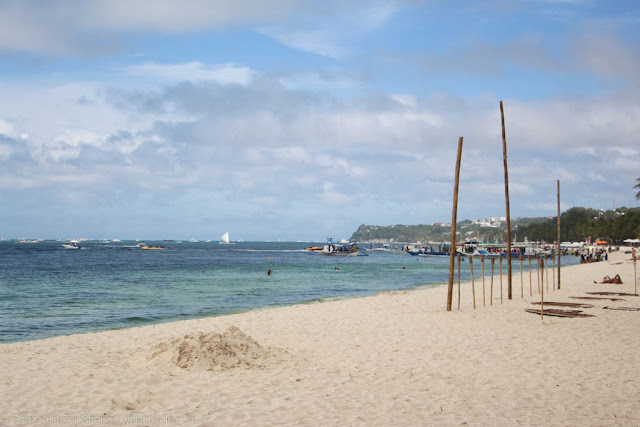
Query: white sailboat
point(224, 240)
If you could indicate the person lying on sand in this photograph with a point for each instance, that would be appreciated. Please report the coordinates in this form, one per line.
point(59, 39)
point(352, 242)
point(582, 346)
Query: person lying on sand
point(616, 280)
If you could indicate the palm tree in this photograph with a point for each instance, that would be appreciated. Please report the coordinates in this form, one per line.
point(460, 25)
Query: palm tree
point(638, 187)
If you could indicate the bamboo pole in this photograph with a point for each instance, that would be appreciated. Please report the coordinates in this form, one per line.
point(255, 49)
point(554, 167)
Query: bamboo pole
point(530, 279)
point(493, 262)
point(635, 274)
point(483, 293)
point(545, 264)
point(506, 196)
point(521, 278)
point(459, 256)
point(500, 259)
point(559, 251)
point(454, 216)
point(542, 264)
point(473, 285)
point(538, 270)
point(553, 271)
point(541, 300)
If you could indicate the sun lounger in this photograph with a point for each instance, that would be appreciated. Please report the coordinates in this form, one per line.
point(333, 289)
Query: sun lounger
point(565, 304)
point(559, 313)
point(600, 298)
point(620, 294)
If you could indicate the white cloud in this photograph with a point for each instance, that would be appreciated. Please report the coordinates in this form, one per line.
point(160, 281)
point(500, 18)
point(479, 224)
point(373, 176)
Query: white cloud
point(193, 71)
point(60, 26)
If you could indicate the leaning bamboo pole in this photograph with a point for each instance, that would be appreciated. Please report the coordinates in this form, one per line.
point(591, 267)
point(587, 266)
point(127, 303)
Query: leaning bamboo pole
point(559, 251)
point(506, 196)
point(454, 216)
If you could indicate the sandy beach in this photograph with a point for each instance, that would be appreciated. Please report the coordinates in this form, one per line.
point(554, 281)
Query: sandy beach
point(398, 358)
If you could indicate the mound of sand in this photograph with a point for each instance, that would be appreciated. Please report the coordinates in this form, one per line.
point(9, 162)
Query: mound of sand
point(213, 352)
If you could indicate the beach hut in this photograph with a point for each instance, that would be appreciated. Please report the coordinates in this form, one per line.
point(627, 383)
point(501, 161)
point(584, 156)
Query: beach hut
point(632, 242)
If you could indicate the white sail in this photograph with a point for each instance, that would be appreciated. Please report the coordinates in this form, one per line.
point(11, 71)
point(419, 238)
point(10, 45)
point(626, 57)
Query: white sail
point(225, 238)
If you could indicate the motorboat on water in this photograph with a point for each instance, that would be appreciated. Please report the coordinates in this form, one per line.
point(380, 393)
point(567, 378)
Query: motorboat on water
point(71, 245)
point(150, 247)
point(333, 249)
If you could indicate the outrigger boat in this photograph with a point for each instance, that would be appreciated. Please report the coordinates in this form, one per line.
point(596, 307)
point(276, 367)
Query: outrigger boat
point(349, 249)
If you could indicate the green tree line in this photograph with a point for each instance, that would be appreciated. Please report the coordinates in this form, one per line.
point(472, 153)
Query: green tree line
point(579, 224)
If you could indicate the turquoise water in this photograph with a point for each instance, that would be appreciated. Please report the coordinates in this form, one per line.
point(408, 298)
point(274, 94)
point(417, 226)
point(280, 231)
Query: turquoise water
point(46, 290)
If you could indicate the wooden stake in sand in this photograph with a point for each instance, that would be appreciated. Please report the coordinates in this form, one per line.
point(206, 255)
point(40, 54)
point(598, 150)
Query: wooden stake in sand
point(459, 280)
point(482, 265)
point(542, 262)
point(521, 278)
point(538, 270)
point(473, 285)
point(493, 262)
point(553, 271)
point(500, 257)
point(506, 196)
point(541, 297)
point(635, 275)
point(546, 264)
point(454, 217)
point(530, 279)
point(559, 251)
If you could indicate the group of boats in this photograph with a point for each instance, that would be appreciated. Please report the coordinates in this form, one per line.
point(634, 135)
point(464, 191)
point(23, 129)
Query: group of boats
point(472, 249)
point(74, 244)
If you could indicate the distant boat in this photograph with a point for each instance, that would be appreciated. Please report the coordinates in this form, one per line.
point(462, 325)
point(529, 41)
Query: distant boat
point(143, 245)
point(224, 240)
point(71, 245)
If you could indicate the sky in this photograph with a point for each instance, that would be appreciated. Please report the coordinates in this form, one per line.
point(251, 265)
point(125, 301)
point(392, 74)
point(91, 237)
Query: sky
point(300, 119)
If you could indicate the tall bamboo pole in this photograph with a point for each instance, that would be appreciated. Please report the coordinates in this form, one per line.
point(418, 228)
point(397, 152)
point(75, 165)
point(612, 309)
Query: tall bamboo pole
point(506, 196)
point(559, 251)
point(454, 218)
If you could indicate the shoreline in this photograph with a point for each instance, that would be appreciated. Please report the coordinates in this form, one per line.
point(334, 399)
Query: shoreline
point(395, 358)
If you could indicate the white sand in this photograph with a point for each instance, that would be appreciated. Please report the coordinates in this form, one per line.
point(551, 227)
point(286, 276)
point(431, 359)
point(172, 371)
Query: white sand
point(394, 359)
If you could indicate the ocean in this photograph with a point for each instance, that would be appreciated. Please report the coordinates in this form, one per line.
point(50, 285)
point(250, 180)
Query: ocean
point(46, 290)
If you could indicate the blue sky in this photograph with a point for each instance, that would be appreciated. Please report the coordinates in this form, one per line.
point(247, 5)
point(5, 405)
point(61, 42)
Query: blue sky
point(298, 120)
